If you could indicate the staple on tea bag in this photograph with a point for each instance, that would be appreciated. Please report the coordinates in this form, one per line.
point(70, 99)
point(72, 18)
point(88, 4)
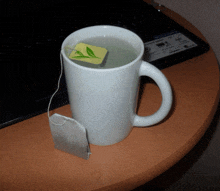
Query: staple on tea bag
point(68, 135)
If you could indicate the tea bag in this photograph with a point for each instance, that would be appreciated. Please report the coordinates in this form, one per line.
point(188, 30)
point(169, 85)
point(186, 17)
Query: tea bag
point(87, 53)
point(68, 135)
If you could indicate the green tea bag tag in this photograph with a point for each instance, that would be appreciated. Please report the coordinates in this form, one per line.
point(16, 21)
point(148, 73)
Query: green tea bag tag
point(88, 53)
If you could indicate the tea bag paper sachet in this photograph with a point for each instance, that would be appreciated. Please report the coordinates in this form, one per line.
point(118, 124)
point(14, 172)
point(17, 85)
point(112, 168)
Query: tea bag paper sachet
point(68, 135)
point(87, 53)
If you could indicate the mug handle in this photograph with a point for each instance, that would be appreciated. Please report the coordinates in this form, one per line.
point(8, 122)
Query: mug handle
point(151, 71)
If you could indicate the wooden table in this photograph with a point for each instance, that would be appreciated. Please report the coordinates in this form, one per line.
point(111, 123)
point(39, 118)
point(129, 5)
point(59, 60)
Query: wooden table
point(29, 161)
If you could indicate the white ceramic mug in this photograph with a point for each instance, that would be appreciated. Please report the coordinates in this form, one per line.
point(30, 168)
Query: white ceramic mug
point(104, 100)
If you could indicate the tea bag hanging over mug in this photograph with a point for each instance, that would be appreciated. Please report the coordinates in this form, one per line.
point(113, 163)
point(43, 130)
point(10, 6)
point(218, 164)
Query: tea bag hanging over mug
point(68, 135)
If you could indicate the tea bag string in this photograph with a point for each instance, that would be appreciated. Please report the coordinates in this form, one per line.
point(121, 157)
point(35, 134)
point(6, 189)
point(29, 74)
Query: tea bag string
point(70, 49)
point(58, 87)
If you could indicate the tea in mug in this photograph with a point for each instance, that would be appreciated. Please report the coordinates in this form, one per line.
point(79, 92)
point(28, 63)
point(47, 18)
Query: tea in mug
point(119, 53)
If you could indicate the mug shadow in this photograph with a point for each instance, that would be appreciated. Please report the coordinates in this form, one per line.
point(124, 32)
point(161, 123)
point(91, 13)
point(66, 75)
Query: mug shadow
point(143, 81)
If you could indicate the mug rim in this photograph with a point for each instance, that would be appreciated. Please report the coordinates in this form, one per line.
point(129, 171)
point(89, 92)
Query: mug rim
point(139, 57)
